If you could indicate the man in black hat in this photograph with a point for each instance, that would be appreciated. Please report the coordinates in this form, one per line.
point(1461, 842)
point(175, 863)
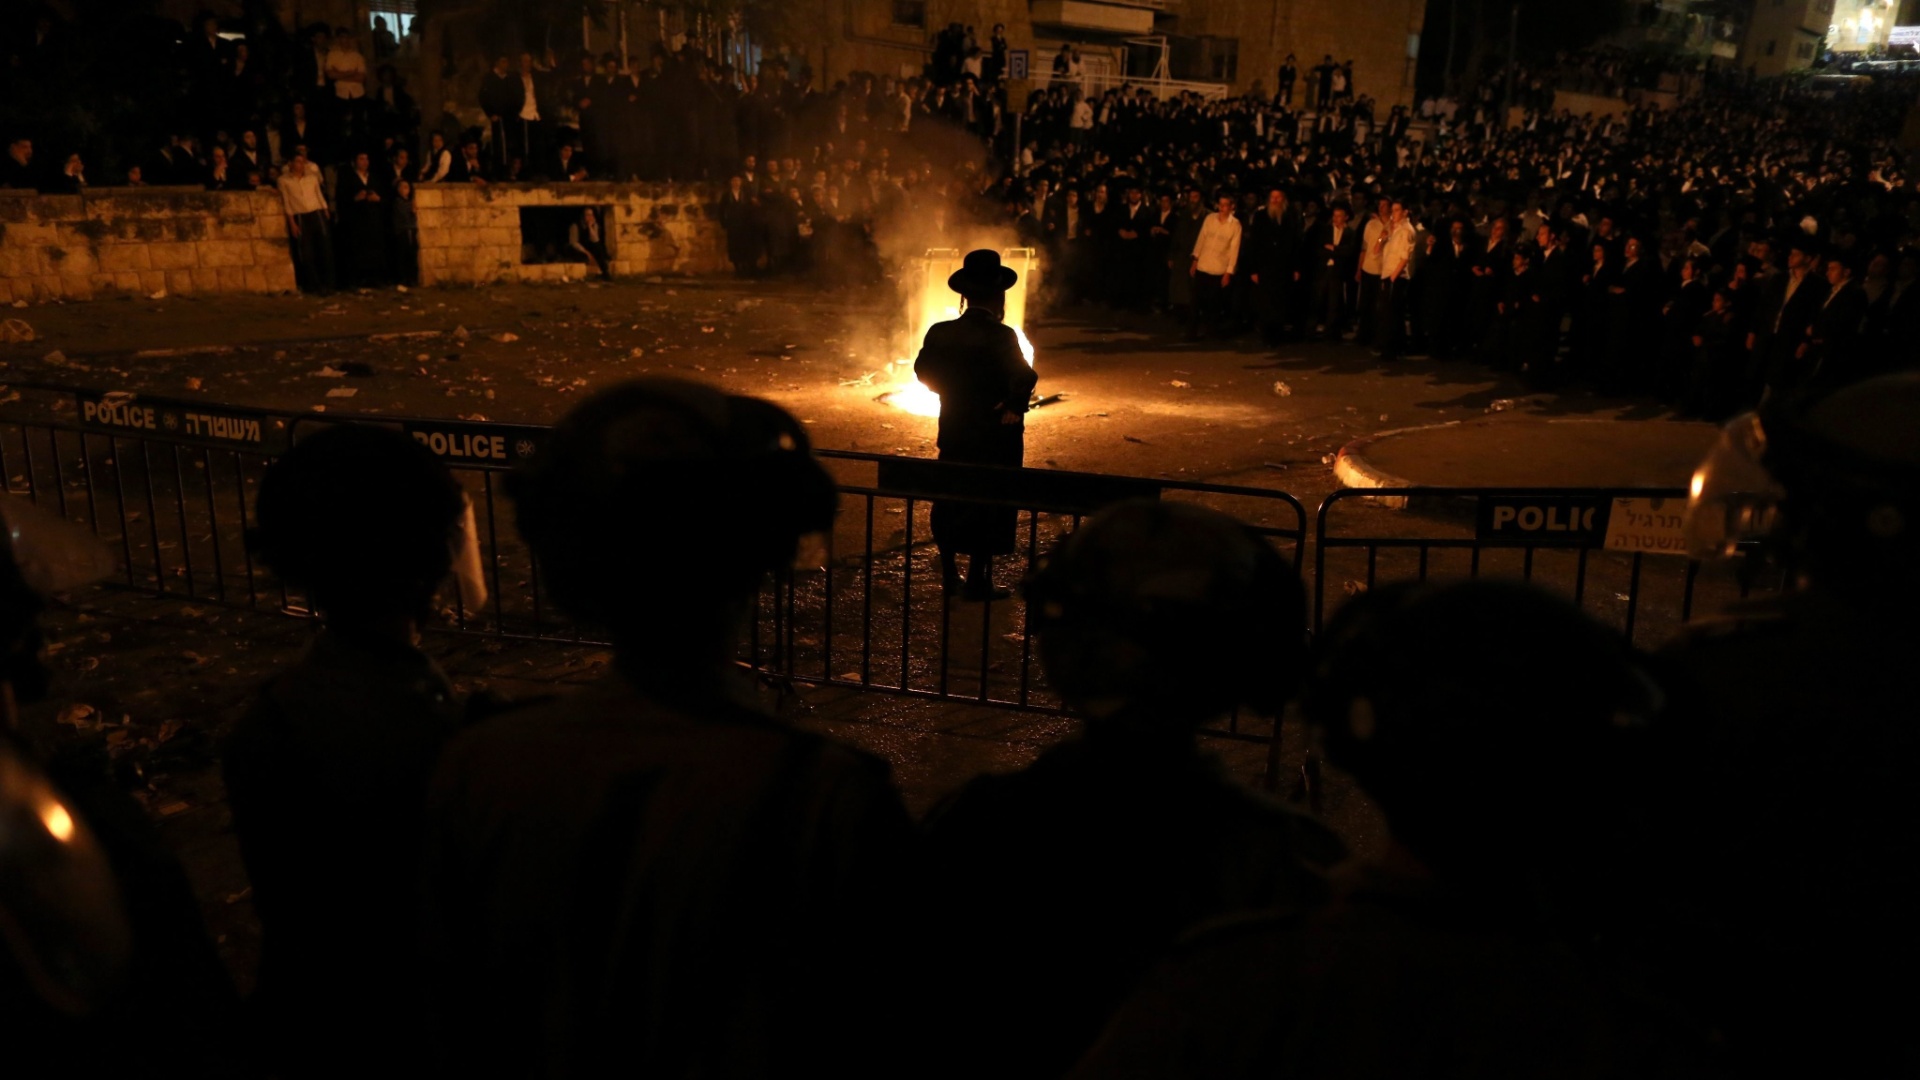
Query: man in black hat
point(974, 363)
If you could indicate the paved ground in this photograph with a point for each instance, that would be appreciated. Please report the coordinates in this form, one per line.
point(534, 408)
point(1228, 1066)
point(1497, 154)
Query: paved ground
point(160, 682)
point(1578, 452)
point(1139, 401)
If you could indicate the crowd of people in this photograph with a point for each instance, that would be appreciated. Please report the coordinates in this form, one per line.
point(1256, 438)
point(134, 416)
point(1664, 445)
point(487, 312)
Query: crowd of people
point(1597, 862)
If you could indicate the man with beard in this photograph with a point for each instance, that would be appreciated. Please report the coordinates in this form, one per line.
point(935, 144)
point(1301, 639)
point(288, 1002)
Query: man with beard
point(1275, 248)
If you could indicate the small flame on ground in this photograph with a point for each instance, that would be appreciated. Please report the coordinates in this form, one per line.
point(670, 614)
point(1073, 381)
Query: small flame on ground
point(915, 398)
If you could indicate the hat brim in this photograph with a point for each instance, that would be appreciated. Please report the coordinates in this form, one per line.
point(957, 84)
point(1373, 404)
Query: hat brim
point(965, 281)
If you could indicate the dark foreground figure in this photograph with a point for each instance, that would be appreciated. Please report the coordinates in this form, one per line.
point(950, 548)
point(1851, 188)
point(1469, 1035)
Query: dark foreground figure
point(1043, 895)
point(327, 773)
point(652, 877)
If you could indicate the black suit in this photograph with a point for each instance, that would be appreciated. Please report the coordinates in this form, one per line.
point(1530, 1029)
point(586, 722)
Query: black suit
point(974, 364)
point(1444, 281)
point(1273, 251)
point(1132, 257)
point(1835, 353)
point(1336, 262)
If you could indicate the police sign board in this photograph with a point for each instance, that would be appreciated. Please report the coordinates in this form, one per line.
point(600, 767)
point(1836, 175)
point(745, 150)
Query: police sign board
point(122, 413)
point(1650, 526)
point(1548, 520)
point(476, 445)
point(1017, 61)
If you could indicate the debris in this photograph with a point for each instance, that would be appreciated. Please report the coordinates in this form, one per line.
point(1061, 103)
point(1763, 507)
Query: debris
point(342, 391)
point(460, 333)
point(423, 357)
point(706, 329)
point(1383, 417)
point(193, 382)
point(1180, 384)
point(401, 288)
point(15, 330)
point(1500, 405)
point(19, 303)
point(1354, 588)
point(319, 408)
point(77, 715)
point(1283, 389)
point(56, 358)
point(157, 294)
point(1277, 465)
point(328, 372)
point(116, 398)
point(1326, 459)
point(746, 305)
point(1130, 438)
point(506, 337)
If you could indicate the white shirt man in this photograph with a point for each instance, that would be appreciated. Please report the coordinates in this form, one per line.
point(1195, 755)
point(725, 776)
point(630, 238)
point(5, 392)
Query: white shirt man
point(1082, 119)
point(1373, 241)
point(530, 106)
point(1396, 257)
point(1216, 251)
point(300, 189)
point(348, 70)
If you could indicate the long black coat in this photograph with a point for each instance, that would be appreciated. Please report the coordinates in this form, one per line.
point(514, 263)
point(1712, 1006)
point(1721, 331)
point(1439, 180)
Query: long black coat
point(974, 364)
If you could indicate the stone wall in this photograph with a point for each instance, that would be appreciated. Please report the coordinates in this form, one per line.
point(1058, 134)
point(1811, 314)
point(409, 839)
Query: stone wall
point(138, 241)
point(470, 235)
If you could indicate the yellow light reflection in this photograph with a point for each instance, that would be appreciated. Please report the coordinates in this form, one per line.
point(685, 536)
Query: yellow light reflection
point(59, 823)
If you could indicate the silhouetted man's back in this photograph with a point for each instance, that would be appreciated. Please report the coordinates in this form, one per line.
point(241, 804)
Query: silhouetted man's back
point(650, 877)
point(1047, 893)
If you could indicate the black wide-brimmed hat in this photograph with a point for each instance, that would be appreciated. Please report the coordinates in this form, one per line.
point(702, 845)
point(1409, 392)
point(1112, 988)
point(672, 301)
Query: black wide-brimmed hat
point(982, 272)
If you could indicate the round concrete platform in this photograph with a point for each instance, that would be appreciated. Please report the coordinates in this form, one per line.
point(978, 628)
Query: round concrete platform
point(1522, 452)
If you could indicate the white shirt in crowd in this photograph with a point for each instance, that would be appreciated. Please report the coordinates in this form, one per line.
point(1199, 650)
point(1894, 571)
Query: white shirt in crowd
point(1397, 257)
point(1216, 250)
point(531, 110)
point(1082, 115)
point(340, 61)
point(1372, 239)
point(302, 194)
point(438, 167)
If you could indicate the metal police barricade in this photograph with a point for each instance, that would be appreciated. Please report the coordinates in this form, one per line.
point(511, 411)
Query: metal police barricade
point(875, 616)
point(1618, 553)
point(171, 483)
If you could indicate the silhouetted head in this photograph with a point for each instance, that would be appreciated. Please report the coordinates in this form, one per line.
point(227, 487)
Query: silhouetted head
point(1168, 615)
point(657, 507)
point(1492, 722)
point(363, 519)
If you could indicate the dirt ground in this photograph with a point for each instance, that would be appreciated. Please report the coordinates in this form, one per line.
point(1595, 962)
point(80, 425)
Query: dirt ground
point(148, 686)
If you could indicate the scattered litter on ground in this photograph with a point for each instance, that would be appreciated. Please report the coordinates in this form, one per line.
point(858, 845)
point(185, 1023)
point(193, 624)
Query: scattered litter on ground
point(157, 294)
point(56, 358)
point(1181, 384)
point(342, 391)
point(327, 372)
point(1326, 459)
point(1277, 465)
point(15, 331)
point(193, 382)
point(1500, 405)
point(1283, 389)
point(1130, 438)
point(506, 337)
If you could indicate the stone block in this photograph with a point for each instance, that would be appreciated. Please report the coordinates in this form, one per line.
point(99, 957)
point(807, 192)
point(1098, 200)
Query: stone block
point(216, 254)
point(433, 256)
point(280, 277)
point(68, 260)
point(172, 256)
point(254, 279)
point(270, 251)
point(428, 196)
point(226, 278)
point(19, 262)
point(126, 281)
point(47, 287)
point(152, 280)
point(245, 228)
point(76, 286)
point(181, 282)
point(123, 257)
point(32, 235)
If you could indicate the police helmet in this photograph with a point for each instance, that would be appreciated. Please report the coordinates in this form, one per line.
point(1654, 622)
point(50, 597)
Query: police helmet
point(1477, 711)
point(1831, 488)
point(1168, 612)
point(667, 488)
